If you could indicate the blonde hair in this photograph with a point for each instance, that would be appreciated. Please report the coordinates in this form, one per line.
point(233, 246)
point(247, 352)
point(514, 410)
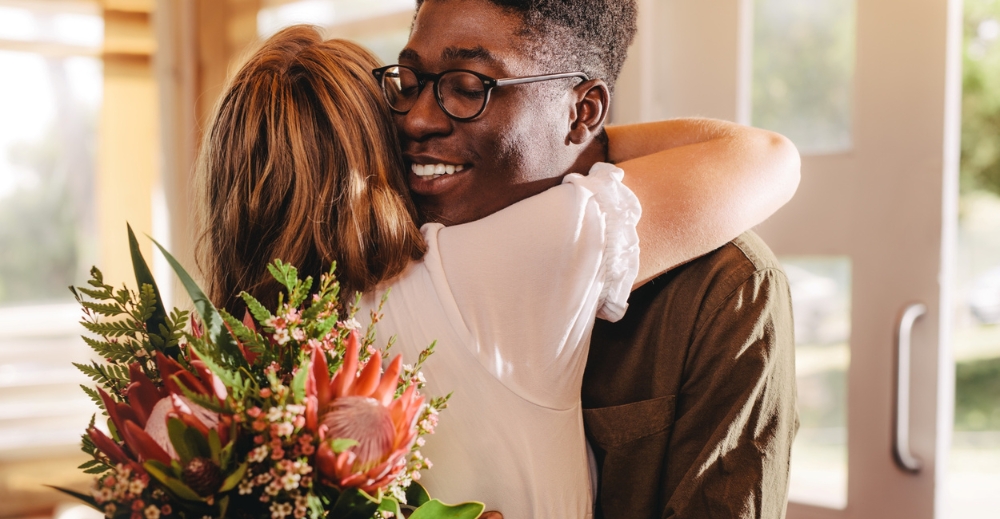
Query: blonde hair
point(302, 163)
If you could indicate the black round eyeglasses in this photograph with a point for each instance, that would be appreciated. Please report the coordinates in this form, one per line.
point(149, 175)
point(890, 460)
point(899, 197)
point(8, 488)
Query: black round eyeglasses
point(462, 94)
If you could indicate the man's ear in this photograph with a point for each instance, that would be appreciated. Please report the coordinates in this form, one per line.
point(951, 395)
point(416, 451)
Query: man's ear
point(590, 109)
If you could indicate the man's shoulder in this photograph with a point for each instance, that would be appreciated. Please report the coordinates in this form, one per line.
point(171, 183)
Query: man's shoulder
point(719, 272)
point(754, 250)
point(747, 253)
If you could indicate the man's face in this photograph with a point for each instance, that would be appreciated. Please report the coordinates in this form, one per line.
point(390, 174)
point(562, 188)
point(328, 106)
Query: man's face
point(516, 148)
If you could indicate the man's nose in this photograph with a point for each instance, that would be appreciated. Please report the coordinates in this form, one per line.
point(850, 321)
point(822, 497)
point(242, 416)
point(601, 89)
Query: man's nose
point(425, 119)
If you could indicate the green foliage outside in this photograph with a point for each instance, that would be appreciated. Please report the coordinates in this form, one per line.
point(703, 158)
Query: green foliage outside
point(977, 395)
point(38, 230)
point(977, 383)
point(981, 97)
point(46, 222)
point(803, 71)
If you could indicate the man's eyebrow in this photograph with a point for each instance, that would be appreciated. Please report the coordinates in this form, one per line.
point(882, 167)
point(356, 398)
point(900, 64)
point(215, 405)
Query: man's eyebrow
point(409, 55)
point(477, 53)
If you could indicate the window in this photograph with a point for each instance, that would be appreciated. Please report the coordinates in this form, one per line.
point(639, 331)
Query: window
point(49, 103)
point(803, 71)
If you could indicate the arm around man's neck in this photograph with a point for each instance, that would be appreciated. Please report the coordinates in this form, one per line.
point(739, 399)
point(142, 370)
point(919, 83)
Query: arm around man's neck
point(701, 183)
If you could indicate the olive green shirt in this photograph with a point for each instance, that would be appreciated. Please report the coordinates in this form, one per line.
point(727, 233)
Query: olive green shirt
point(689, 401)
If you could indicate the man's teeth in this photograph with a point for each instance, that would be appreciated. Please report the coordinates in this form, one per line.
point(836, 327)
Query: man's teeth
point(435, 170)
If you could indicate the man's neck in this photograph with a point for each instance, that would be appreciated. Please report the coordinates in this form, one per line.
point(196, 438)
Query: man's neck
point(593, 152)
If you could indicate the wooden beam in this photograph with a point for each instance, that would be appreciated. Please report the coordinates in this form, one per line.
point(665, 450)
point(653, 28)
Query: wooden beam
point(128, 147)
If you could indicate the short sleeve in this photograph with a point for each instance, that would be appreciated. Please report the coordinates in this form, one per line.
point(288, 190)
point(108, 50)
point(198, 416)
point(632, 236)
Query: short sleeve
point(528, 281)
point(621, 257)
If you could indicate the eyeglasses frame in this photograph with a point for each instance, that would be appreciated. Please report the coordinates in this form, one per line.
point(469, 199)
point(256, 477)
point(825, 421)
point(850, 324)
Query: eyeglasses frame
point(489, 83)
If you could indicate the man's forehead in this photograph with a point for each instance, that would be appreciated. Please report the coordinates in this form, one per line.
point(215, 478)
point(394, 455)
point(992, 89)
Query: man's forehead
point(476, 53)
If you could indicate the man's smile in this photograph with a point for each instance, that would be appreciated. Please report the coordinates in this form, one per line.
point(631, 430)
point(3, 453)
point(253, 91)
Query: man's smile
point(432, 176)
point(435, 170)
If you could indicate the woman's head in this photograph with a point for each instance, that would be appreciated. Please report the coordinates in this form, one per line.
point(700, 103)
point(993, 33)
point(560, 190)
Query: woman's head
point(301, 163)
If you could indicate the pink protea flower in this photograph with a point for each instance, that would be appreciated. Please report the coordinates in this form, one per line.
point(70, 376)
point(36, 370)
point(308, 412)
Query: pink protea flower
point(142, 422)
point(361, 408)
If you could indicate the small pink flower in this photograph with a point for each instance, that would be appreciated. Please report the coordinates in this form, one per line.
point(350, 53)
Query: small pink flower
point(166, 510)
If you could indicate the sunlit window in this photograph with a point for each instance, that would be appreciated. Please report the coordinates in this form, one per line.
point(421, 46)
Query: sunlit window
point(821, 297)
point(49, 103)
point(803, 71)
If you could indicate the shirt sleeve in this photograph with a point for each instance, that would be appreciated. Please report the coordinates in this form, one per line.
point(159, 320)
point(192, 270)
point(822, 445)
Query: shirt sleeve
point(689, 401)
point(735, 425)
point(528, 280)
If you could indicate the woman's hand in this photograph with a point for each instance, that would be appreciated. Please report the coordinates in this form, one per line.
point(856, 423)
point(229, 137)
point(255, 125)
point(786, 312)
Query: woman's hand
point(701, 183)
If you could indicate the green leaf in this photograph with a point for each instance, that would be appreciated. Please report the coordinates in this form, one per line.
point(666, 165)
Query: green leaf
point(215, 445)
point(299, 384)
point(214, 327)
point(94, 395)
point(177, 430)
point(435, 509)
point(353, 504)
point(143, 276)
point(175, 485)
point(233, 479)
point(248, 337)
point(259, 312)
point(197, 443)
point(88, 464)
point(82, 497)
point(171, 470)
point(227, 451)
point(416, 495)
point(223, 506)
point(390, 505)
point(284, 273)
point(342, 444)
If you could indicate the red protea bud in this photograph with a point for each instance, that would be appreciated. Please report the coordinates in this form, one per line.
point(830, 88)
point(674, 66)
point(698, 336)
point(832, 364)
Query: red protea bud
point(203, 476)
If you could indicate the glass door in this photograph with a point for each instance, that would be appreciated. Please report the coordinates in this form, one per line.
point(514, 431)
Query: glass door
point(869, 92)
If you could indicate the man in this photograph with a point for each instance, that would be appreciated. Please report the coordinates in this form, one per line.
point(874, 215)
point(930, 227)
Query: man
point(689, 401)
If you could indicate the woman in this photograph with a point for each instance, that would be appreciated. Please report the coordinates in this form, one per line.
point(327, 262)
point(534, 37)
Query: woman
point(302, 163)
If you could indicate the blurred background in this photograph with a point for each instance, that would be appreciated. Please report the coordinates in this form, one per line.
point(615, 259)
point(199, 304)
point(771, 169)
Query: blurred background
point(895, 108)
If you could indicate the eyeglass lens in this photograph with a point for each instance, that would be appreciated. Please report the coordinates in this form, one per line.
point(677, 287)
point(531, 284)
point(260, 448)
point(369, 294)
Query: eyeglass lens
point(461, 94)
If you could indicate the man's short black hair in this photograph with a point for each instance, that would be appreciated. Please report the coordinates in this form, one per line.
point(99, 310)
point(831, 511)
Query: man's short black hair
point(592, 36)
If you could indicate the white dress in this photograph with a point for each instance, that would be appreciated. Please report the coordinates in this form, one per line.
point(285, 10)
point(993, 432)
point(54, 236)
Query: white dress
point(511, 301)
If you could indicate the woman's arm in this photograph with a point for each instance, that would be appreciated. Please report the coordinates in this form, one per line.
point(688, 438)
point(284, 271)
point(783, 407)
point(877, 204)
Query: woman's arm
point(701, 183)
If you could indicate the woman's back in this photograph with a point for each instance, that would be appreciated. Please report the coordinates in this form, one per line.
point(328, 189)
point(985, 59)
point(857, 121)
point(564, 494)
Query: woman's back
point(510, 301)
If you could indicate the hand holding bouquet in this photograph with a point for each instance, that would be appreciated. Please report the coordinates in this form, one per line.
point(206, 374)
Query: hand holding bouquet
point(283, 415)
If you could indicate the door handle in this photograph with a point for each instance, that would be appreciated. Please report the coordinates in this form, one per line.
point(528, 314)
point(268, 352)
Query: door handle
point(901, 439)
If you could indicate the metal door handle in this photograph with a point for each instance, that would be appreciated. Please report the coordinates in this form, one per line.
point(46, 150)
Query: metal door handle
point(901, 443)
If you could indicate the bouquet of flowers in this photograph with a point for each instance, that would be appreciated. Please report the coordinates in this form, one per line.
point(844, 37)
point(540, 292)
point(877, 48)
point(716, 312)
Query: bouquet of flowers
point(283, 415)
